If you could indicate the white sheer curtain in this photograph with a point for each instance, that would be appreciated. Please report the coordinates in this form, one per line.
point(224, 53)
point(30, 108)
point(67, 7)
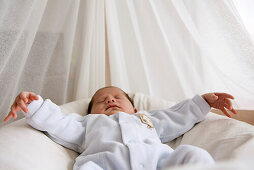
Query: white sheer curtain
point(172, 49)
point(36, 41)
point(245, 9)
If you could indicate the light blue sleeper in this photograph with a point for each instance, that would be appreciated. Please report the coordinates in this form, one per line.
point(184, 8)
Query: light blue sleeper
point(123, 141)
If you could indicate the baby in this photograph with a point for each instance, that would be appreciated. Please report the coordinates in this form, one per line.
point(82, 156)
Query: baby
point(117, 136)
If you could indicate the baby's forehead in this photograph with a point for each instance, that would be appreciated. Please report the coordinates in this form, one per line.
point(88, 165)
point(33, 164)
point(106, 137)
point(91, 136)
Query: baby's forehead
point(108, 91)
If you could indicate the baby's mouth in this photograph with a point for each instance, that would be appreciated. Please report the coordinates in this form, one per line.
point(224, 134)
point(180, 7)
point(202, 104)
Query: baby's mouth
point(110, 106)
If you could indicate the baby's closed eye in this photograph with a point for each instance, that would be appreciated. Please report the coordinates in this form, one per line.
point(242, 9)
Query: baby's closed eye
point(118, 97)
point(101, 100)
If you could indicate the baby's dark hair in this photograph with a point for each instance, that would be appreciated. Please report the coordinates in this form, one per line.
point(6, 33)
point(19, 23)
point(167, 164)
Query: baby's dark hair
point(90, 105)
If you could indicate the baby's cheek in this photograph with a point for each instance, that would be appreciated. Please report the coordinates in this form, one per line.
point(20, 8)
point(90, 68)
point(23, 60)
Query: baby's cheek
point(96, 109)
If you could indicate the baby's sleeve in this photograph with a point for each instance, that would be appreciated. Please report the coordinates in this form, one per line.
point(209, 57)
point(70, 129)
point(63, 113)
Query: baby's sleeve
point(175, 121)
point(67, 130)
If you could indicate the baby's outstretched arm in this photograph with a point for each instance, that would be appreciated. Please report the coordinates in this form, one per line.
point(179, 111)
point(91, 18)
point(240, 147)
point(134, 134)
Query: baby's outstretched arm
point(220, 101)
point(44, 115)
point(21, 102)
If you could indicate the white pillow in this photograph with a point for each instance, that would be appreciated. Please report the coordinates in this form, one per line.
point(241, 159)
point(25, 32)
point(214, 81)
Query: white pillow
point(24, 148)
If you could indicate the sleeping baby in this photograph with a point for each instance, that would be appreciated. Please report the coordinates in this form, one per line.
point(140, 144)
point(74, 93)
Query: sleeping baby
point(115, 136)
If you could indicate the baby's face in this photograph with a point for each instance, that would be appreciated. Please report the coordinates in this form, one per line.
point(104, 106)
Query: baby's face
point(111, 100)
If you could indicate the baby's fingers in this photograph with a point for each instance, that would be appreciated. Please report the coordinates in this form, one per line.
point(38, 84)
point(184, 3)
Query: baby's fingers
point(24, 96)
point(8, 117)
point(12, 113)
point(22, 105)
point(32, 96)
point(225, 112)
point(14, 109)
point(225, 95)
point(229, 106)
point(233, 111)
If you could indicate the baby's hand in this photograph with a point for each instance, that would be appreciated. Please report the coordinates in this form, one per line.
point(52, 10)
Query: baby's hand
point(220, 101)
point(21, 102)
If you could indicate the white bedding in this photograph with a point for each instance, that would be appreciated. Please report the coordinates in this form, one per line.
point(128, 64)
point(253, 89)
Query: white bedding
point(229, 141)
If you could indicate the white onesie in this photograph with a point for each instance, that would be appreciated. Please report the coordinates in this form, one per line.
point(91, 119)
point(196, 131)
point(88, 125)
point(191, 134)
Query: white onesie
point(123, 141)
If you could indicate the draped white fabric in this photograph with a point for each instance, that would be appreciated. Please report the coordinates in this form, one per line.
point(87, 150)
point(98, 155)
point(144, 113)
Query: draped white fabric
point(172, 49)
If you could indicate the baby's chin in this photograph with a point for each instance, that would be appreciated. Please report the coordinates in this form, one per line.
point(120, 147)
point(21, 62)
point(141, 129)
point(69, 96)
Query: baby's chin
point(111, 112)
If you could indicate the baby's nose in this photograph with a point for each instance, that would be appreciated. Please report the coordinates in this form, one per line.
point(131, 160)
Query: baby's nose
point(110, 100)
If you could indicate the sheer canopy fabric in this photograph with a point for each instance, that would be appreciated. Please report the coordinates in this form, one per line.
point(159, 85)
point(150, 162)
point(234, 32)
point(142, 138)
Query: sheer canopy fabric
point(172, 49)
